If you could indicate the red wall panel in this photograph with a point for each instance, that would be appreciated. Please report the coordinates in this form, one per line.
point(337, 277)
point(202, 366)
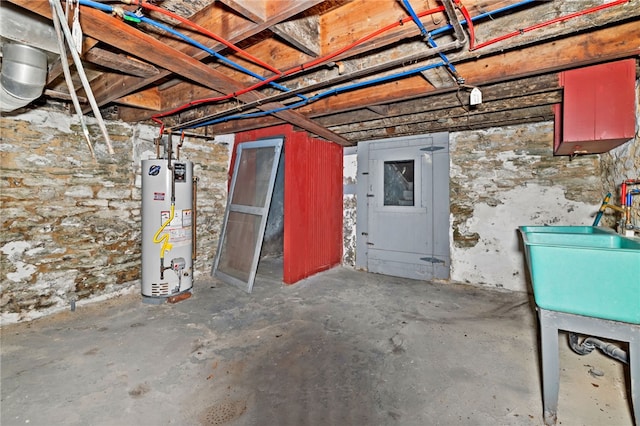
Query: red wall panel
point(312, 201)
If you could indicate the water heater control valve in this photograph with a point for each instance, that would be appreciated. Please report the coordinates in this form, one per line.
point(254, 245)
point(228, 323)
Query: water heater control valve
point(178, 264)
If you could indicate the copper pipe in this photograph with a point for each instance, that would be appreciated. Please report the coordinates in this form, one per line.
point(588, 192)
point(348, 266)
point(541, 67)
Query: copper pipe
point(194, 244)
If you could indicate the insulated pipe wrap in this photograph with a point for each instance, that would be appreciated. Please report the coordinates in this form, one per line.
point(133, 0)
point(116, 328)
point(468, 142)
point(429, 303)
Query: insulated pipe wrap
point(24, 73)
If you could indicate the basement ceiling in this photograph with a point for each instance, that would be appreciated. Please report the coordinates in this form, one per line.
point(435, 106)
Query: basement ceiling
point(346, 71)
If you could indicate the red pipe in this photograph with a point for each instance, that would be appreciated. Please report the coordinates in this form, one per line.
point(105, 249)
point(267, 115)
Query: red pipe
point(467, 17)
point(202, 30)
point(293, 70)
point(360, 41)
point(552, 21)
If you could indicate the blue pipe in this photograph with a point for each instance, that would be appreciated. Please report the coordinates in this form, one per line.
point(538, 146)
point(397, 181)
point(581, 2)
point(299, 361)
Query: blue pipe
point(449, 27)
point(427, 35)
point(438, 31)
point(188, 39)
point(318, 96)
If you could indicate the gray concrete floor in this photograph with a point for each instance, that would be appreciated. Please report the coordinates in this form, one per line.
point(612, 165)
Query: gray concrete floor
point(340, 348)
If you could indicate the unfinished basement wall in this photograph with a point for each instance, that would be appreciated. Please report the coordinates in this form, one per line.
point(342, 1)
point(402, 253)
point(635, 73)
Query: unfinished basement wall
point(502, 178)
point(622, 163)
point(71, 225)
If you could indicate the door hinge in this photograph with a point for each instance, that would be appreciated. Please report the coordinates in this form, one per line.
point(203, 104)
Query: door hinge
point(432, 260)
point(370, 195)
point(364, 233)
point(370, 244)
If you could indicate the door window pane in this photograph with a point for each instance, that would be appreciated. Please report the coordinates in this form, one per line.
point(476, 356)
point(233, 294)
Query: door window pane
point(399, 183)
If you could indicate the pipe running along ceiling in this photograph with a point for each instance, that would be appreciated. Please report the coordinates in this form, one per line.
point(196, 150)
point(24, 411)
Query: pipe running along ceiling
point(342, 70)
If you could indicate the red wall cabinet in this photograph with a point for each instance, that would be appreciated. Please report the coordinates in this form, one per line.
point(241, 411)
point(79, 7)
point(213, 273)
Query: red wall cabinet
point(598, 110)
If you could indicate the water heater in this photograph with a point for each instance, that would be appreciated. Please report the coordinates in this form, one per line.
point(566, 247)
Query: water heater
point(167, 227)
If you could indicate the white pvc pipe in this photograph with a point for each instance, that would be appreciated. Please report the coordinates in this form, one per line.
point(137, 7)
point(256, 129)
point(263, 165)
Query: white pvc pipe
point(67, 77)
point(58, 12)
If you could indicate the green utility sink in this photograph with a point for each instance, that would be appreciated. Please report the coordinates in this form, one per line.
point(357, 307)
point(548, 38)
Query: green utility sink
point(593, 273)
point(568, 229)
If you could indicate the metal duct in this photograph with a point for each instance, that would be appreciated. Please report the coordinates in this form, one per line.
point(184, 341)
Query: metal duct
point(24, 73)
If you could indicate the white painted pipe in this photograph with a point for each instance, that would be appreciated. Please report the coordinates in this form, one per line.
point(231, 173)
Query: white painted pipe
point(58, 13)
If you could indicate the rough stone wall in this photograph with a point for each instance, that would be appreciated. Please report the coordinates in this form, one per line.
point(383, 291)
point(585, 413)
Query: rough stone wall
point(349, 206)
point(504, 178)
point(70, 224)
point(620, 164)
point(500, 179)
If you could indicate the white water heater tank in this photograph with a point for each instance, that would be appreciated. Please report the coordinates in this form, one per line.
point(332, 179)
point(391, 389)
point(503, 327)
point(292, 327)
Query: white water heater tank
point(167, 221)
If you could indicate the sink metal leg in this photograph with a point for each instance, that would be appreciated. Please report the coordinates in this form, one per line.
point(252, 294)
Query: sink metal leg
point(550, 368)
point(551, 322)
point(634, 366)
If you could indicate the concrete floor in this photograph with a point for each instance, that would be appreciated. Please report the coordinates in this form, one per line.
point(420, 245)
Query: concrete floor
point(340, 348)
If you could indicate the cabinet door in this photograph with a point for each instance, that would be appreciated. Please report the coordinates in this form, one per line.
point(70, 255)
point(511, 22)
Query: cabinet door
point(598, 108)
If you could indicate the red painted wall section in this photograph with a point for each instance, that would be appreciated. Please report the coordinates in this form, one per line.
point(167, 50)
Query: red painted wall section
point(312, 201)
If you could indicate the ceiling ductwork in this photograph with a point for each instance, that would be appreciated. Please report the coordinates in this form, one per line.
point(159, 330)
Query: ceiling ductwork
point(24, 74)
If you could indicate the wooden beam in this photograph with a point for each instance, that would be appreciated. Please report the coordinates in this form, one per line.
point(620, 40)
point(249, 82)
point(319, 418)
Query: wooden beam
point(233, 29)
point(252, 10)
point(128, 39)
point(433, 102)
point(302, 33)
point(460, 109)
point(480, 121)
point(600, 45)
point(55, 69)
point(148, 99)
point(119, 62)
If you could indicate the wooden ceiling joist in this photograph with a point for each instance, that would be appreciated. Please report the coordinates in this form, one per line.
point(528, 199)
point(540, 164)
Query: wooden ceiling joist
point(121, 63)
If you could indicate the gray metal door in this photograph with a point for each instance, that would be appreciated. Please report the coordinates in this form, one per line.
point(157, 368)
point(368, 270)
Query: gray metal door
point(407, 202)
point(246, 215)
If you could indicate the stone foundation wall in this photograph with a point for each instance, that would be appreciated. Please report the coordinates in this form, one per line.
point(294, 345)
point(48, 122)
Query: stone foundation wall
point(503, 178)
point(70, 224)
point(620, 164)
point(508, 177)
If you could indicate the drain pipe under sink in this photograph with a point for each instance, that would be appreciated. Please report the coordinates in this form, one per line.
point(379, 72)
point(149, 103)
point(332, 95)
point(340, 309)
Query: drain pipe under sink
point(590, 343)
